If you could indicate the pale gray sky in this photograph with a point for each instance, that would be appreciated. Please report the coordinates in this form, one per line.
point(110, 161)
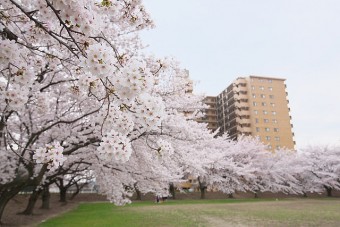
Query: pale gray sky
point(219, 40)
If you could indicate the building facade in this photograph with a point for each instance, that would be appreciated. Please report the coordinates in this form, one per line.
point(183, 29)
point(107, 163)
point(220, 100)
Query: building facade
point(255, 106)
point(210, 113)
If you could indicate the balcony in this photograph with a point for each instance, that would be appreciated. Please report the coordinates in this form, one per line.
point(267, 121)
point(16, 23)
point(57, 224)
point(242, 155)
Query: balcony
point(243, 129)
point(239, 88)
point(241, 104)
point(243, 121)
point(240, 96)
point(236, 89)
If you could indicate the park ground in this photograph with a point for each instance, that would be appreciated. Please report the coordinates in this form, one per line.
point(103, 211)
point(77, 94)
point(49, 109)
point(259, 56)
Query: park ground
point(91, 210)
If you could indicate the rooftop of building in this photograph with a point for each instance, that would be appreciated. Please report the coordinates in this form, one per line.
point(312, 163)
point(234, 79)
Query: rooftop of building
point(264, 77)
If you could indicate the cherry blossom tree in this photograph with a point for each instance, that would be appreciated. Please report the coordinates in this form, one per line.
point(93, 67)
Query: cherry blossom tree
point(248, 165)
point(322, 169)
point(233, 168)
point(283, 167)
point(159, 155)
point(71, 76)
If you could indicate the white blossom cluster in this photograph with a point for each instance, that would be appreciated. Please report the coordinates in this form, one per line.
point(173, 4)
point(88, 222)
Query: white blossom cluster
point(149, 111)
point(51, 154)
point(88, 81)
point(14, 89)
point(134, 79)
point(8, 51)
point(115, 146)
point(165, 147)
point(7, 167)
point(78, 15)
point(99, 61)
point(15, 96)
point(116, 117)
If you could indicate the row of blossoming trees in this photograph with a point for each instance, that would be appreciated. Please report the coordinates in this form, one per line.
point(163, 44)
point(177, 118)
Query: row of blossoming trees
point(79, 98)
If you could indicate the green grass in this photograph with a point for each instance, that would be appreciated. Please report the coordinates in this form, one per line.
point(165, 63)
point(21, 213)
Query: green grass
point(106, 214)
point(249, 212)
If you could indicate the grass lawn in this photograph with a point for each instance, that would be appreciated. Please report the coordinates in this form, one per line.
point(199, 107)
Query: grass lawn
point(232, 212)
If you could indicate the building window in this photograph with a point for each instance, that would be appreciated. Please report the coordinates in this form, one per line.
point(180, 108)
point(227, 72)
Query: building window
point(277, 138)
point(268, 138)
point(254, 104)
point(272, 104)
point(274, 121)
point(257, 129)
point(270, 81)
point(278, 147)
point(271, 96)
point(270, 88)
point(256, 120)
point(274, 112)
point(252, 87)
point(254, 96)
point(270, 147)
point(263, 104)
point(263, 96)
point(265, 112)
point(276, 129)
point(265, 120)
point(256, 112)
point(267, 129)
point(261, 88)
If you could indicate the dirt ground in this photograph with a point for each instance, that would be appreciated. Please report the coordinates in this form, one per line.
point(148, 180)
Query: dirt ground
point(18, 204)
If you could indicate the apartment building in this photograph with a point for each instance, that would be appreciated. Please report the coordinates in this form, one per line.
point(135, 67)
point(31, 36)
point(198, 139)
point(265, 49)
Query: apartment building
point(256, 106)
point(210, 113)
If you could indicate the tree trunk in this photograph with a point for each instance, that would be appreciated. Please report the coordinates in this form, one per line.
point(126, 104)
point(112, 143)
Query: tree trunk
point(172, 190)
point(5, 196)
point(62, 195)
point(304, 194)
point(31, 203)
point(12, 189)
point(3, 202)
point(256, 196)
point(329, 191)
point(202, 189)
point(230, 196)
point(46, 198)
point(138, 194)
point(74, 194)
point(202, 186)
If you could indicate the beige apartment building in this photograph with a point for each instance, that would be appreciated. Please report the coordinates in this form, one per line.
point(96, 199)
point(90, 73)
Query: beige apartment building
point(256, 106)
point(210, 113)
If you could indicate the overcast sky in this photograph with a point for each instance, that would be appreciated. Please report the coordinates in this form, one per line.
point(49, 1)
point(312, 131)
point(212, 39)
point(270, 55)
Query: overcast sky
point(219, 40)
